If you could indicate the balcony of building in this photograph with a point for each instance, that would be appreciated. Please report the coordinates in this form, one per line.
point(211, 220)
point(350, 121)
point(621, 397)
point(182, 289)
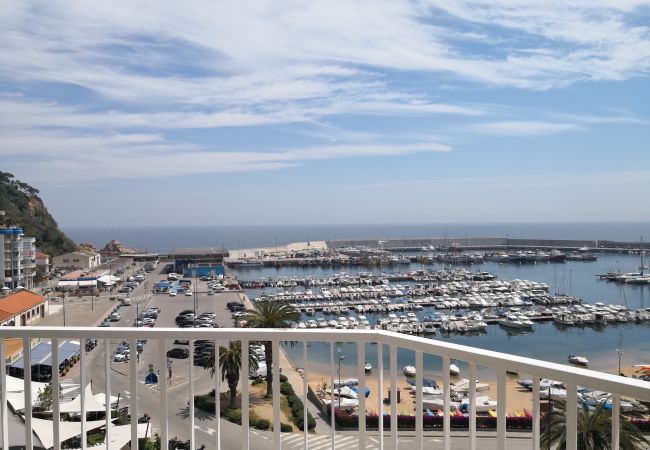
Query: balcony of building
point(154, 407)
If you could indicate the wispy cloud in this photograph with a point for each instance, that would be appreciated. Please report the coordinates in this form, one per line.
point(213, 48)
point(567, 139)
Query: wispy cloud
point(57, 156)
point(524, 128)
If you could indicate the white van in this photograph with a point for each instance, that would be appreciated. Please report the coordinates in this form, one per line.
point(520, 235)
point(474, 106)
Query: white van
point(126, 301)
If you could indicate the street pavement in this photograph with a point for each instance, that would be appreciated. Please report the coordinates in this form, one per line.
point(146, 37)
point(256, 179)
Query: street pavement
point(178, 392)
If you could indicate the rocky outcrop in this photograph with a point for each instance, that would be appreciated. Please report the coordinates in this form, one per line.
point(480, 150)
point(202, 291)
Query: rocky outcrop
point(116, 248)
point(87, 247)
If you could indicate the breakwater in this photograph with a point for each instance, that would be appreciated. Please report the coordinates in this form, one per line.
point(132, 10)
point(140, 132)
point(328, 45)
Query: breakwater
point(488, 243)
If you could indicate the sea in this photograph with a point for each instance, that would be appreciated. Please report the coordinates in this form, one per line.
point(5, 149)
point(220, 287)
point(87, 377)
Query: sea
point(164, 238)
point(547, 341)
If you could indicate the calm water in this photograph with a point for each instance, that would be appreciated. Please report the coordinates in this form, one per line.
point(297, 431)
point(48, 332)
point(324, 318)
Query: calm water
point(546, 341)
point(162, 239)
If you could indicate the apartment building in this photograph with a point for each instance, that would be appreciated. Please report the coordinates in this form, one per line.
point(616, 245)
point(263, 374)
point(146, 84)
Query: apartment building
point(17, 259)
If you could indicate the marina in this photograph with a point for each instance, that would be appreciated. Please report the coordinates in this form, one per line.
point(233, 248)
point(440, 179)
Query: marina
point(608, 315)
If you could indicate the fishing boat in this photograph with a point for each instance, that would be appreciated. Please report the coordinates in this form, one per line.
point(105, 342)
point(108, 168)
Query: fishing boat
point(579, 360)
point(454, 370)
point(367, 367)
point(409, 370)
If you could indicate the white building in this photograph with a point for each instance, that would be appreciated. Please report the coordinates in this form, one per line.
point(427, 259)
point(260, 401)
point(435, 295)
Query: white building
point(77, 260)
point(17, 259)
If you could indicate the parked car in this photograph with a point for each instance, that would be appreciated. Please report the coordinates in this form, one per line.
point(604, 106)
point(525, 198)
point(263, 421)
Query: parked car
point(181, 353)
point(172, 293)
point(115, 317)
point(121, 357)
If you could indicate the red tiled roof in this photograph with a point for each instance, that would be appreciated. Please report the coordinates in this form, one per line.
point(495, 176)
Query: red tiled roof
point(42, 255)
point(20, 301)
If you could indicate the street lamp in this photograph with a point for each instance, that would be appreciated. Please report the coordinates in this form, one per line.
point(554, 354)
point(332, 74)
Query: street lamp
point(620, 354)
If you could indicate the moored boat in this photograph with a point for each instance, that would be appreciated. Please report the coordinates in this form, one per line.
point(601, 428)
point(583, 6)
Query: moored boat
point(579, 360)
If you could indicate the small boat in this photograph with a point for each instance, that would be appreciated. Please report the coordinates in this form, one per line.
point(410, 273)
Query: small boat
point(343, 403)
point(367, 367)
point(579, 360)
point(366, 390)
point(409, 370)
point(346, 382)
point(454, 369)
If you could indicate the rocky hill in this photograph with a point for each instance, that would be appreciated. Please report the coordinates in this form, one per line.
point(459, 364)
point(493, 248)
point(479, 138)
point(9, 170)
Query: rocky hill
point(116, 248)
point(23, 207)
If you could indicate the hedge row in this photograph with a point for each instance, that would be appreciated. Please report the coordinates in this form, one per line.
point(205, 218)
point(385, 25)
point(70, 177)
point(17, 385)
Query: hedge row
point(206, 403)
point(297, 407)
point(347, 419)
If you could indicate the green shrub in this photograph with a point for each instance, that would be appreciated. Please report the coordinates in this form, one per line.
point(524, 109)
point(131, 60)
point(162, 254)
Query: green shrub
point(257, 381)
point(286, 428)
point(283, 378)
point(232, 415)
point(205, 403)
point(286, 389)
point(261, 424)
point(297, 408)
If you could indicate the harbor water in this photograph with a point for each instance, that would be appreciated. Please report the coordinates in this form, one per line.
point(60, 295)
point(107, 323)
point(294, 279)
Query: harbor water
point(546, 341)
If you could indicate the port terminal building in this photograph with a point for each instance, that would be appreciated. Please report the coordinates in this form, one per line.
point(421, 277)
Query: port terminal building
point(198, 262)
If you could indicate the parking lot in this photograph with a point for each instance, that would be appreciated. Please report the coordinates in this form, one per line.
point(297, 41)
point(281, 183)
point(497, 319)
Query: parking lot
point(167, 309)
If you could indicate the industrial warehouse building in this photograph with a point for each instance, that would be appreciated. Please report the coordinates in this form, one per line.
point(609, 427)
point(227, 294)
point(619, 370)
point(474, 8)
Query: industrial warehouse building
point(199, 262)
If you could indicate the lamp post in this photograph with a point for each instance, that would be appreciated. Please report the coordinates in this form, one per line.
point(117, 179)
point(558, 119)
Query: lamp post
point(620, 354)
point(64, 308)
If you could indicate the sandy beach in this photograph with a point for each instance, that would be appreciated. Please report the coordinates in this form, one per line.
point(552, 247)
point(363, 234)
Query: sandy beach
point(517, 398)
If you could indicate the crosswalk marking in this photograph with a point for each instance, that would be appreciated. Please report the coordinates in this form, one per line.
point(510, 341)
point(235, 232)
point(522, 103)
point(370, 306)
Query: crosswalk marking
point(342, 441)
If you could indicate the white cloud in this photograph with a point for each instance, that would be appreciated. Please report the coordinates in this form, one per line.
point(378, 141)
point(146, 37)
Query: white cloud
point(68, 158)
point(109, 48)
point(524, 127)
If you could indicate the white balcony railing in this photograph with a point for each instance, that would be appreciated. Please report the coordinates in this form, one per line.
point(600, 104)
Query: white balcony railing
point(572, 377)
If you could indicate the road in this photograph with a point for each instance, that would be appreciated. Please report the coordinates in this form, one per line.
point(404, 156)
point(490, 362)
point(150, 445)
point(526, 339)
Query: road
point(178, 392)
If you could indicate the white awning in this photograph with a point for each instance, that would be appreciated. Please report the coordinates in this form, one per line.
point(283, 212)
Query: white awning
point(108, 279)
point(68, 283)
point(91, 403)
point(83, 283)
point(118, 435)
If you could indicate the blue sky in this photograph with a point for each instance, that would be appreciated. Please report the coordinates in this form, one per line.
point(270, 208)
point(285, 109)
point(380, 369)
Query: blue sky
point(273, 112)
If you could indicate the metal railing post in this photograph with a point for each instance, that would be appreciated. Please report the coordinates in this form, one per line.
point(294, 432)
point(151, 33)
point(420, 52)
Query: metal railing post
point(244, 394)
point(277, 444)
point(56, 414)
point(361, 374)
point(27, 382)
point(133, 401)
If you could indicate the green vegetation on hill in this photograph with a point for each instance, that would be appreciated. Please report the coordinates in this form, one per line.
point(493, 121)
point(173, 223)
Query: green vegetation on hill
point(23, 207)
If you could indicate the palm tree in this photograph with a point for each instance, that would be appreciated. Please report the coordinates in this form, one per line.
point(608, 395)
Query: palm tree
point(230, 363)
point(270, 315)
point(594, 429)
